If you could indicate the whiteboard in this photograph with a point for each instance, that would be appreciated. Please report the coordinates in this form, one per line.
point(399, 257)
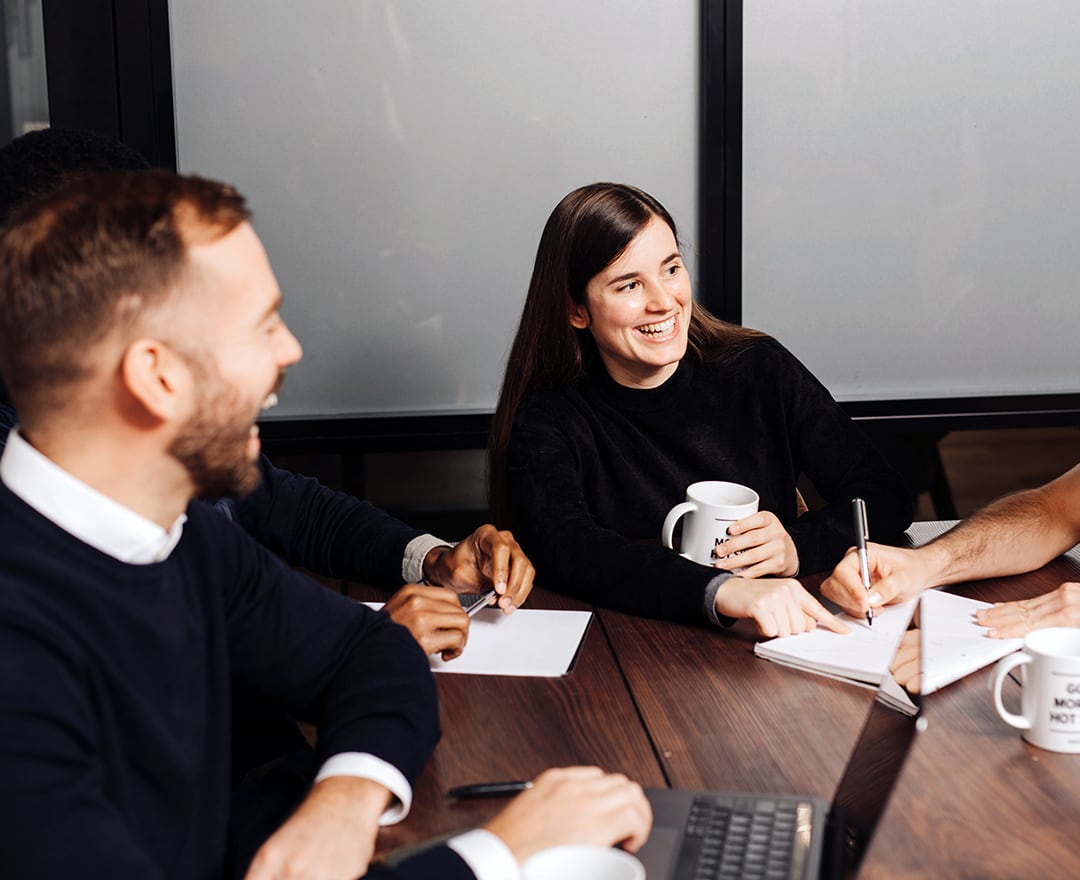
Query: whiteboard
point(911, 193)
point(402, 157)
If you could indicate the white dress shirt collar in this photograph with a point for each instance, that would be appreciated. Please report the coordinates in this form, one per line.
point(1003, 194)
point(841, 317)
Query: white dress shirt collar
point(84, 512)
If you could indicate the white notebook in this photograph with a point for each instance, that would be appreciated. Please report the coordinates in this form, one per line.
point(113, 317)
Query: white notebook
point(862, 655)
point(953, 644)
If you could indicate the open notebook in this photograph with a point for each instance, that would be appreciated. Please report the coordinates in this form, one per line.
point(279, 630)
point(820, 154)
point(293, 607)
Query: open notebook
point(861, 656)
point(953, 645)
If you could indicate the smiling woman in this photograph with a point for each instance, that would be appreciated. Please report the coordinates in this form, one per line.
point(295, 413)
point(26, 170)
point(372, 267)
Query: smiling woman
point(638, 309)
point(620, 392)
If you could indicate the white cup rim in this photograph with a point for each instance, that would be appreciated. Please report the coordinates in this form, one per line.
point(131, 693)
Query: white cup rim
point(584, 857)
point(1059, 642)
point(737, 495)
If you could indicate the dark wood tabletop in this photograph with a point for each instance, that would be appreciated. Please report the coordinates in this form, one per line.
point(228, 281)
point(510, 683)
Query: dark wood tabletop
point(691, 707)
point(503, 728)
point(975, 800)
point(722, 718)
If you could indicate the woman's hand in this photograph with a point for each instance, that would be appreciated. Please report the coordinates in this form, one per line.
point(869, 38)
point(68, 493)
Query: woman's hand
point(758, 545)
point(779, 607)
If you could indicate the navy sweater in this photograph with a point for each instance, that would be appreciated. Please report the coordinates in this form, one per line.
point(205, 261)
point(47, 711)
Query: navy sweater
point(594, 469)
point(114, 694)
point(324, 531)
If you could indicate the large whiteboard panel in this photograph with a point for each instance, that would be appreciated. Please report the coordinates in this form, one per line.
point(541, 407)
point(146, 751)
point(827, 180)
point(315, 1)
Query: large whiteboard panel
point(402, 156)
point(911, 193)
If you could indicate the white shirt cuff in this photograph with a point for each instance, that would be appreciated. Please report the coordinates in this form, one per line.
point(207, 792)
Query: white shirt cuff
point(377, 770)
point(412, 565)
point(486, 855)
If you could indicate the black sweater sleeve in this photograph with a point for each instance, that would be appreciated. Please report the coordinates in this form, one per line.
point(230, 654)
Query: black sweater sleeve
point(439, 861)
point(327, 532)
point(359, 675)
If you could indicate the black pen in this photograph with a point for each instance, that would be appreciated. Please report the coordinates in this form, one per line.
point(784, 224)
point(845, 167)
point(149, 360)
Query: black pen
point(489, 789)
point(862, 535)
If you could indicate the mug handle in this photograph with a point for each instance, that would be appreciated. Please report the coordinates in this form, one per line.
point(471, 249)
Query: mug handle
point(667, 533)
point(1003, 668)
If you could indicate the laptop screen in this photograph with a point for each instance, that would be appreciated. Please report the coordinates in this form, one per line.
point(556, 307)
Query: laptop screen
point(877, 757)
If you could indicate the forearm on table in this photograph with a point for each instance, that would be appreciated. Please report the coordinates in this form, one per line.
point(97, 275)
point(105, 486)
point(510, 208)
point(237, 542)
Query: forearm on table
point(1015, 534)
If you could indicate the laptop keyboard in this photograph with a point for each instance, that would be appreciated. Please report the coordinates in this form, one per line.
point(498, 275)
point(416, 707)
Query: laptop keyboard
point(744, 839)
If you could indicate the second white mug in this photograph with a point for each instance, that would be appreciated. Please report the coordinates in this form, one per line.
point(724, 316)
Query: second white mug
point(1050, 703)
point(710, 507)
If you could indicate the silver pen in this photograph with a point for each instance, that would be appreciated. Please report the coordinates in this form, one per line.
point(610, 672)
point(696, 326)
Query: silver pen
point(862, 535)
point(476, 603)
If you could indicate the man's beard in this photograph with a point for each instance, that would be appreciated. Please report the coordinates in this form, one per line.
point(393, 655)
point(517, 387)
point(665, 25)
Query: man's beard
point(212, 445)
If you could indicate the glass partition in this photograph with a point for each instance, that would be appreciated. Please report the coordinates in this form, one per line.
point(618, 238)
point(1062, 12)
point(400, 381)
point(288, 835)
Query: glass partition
point(24, 101)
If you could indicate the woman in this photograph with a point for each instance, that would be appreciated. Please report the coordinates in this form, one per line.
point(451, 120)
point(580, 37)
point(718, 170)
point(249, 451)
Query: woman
point(620, 392)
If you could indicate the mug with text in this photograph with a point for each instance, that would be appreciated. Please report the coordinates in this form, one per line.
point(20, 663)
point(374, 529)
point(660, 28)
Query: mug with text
point(710, 507)
point(1050, 704)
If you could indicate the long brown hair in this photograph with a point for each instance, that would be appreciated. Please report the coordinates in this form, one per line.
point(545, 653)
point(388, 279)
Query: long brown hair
point(587, 231)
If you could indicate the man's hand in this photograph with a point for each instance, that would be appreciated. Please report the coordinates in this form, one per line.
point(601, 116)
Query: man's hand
point(330, 836)
point(896, 575)
point(434, 616)
point(759, 545)
point(575, 805)
point(907, 664)
point(779, 607)
point(1010, 620)
point(487, 559)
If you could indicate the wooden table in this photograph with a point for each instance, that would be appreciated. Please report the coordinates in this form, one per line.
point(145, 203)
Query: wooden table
point(693, 708)
point(502, 727)
point(721, 718)
point(975, 800)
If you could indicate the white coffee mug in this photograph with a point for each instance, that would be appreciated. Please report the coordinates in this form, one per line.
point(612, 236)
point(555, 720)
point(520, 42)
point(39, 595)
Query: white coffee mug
point(1050, 703)
point(710, 507)
point(582, 863)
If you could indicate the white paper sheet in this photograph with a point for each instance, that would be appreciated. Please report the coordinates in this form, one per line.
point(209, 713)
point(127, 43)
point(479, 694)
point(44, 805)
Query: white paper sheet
point(529, 642)
point(953, 644)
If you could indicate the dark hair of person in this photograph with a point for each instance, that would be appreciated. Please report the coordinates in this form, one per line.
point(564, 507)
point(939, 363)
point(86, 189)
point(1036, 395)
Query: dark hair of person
point(91, 256)
point(37, 161)
point(588, 230)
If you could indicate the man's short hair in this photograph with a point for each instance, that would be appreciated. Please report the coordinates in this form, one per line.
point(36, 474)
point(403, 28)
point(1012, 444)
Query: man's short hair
point(36, 162)
point(90, 255)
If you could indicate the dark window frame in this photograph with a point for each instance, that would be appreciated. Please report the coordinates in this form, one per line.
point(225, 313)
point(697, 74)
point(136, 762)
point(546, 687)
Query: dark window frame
point(109, 68)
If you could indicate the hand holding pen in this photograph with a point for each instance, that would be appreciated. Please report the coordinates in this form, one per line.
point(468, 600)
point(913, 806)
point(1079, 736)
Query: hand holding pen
point(862, 535)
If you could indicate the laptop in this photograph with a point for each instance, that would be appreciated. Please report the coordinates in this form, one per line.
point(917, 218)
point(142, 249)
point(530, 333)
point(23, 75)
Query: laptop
point(701, 835)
